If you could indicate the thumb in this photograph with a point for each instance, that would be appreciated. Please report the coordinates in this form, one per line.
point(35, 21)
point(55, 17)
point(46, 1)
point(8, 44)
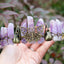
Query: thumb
point(43, 49)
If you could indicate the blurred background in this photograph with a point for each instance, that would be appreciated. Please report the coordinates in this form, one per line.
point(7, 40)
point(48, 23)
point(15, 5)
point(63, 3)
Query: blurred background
point(16, 11)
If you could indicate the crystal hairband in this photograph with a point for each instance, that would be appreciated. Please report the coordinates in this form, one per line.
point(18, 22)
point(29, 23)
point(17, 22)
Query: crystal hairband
point(28, 32)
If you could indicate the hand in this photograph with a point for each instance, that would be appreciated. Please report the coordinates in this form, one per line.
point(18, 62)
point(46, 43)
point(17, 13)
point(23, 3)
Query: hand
point(22, 54)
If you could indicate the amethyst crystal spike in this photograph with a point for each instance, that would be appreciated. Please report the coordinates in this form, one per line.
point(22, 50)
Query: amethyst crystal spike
point(11, 30)
point(56, 29)
point(4, 32)
point(40, 29)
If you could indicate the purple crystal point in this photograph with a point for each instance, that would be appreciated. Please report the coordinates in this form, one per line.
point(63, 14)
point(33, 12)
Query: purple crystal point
point(40, 26)
point(40, 22)
point(59, 26)
point(30, 22)
point(56, 28)
point(62, 27)
point(53, 26)
point(23, 28)
point(11, 30)
point(4, 32)
point(23, 24)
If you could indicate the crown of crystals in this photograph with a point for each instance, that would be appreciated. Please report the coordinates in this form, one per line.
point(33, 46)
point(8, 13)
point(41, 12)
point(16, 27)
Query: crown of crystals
point(27, 32)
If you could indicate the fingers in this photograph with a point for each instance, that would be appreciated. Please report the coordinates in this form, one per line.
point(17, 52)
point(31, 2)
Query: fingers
point(22, 46)
point(28, 44)
point(43, 49)
point(35, 46)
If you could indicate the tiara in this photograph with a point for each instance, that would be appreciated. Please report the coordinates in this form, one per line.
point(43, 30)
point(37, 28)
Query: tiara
point(28, 32)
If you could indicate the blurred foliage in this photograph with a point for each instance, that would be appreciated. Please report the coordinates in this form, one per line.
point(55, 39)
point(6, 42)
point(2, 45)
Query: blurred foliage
point(55, 52)
point(59, 7)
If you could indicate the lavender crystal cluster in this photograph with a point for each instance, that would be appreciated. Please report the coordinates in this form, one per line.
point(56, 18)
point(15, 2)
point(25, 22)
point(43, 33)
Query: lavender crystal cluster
point(57, 30)
point(6, 35)
point(32, 33)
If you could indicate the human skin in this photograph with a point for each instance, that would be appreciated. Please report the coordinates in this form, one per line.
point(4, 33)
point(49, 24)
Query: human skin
point(22, 54)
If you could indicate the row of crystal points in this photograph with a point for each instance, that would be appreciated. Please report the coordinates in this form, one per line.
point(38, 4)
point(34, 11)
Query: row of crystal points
point(32, 33)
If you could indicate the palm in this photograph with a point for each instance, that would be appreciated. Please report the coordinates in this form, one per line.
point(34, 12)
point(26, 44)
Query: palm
point(21, 54)
point(29, 57)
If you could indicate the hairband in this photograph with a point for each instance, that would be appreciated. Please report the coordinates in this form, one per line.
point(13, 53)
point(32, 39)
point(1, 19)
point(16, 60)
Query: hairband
point(27, 32)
